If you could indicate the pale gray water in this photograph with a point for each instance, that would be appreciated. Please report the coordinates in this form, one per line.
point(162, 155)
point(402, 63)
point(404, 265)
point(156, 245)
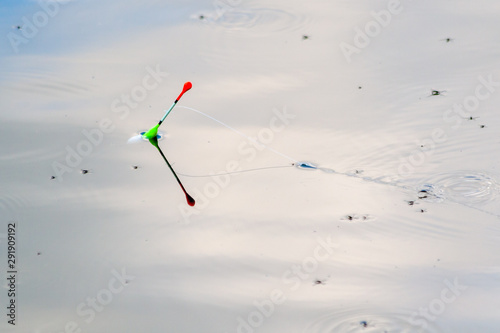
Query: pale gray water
point(396, 231)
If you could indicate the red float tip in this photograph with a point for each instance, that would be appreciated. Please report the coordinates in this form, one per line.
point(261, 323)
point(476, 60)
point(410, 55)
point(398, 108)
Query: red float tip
point(190, 200)
point(188, 85)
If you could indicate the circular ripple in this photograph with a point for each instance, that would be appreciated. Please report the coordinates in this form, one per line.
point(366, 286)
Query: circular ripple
point(256, 20)
point(369, 320)
point(467, 187)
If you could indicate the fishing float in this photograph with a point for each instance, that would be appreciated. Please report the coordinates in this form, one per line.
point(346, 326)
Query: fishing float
point(152, 136)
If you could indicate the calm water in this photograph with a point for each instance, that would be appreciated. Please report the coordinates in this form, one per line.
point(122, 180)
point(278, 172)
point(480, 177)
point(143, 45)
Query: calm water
point(393, 227)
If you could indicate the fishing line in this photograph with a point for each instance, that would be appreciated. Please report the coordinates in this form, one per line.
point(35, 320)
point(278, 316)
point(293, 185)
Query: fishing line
point(236, 172)
point(311, 166)
point(240, 133)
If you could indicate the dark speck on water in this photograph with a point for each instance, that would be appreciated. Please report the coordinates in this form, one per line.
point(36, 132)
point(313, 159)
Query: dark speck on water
point(135, 167)
point(422, 194)
point(84, 171)
point(304, 37)
point(363, 323)
point(202, 17)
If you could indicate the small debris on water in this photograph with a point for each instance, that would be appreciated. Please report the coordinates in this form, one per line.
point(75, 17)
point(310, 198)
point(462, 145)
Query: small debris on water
point(356, 217)
point(437, 92)
point(422, 194)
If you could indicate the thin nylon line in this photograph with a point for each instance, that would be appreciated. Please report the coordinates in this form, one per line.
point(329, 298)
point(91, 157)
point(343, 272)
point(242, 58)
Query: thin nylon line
point(240, 171)
point(377, 181)
point(240, 133)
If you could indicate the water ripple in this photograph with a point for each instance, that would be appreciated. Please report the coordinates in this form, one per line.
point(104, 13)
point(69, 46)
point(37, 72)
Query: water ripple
point(45, 83)
point(465, 187)
point(369, 320)
point(257, 20)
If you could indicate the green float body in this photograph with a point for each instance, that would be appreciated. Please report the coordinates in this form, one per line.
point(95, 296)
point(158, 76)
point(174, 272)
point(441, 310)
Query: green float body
point(152, 133)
